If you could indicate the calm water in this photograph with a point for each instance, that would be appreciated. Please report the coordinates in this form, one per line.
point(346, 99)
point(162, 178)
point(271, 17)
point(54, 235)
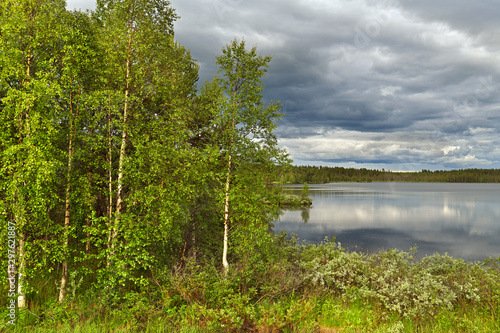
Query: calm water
point(461, 219)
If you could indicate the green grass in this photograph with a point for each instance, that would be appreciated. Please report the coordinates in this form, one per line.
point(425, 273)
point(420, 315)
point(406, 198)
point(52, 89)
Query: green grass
point(282, 286)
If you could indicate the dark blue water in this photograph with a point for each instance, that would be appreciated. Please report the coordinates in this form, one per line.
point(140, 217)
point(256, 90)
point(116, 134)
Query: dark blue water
point(462, 220)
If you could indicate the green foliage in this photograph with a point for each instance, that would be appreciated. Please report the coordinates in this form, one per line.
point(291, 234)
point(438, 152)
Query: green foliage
point(330, 266)
point(403, 287)
point(277, 284)
point(347, 314)
point(305, 190)
point(321, 174)
point(396, 282)
point(30, 47)
point(244, 136)
point(114, 166)
point(287, 314)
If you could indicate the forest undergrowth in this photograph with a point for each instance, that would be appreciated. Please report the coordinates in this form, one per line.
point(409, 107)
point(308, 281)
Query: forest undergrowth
point(279, 285)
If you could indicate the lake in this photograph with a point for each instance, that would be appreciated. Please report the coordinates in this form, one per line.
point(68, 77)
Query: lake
point(460, 219)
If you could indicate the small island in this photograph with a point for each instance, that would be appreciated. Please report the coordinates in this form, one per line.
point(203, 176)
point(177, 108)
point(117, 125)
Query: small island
point(302, 200)
point(294, 200)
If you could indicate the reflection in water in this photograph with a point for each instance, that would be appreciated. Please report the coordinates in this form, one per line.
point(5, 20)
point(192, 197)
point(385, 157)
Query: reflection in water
point(461, 219)
point(304, 214)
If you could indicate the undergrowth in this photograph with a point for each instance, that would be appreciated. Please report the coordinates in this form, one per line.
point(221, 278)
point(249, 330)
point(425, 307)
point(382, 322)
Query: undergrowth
point(280, 285)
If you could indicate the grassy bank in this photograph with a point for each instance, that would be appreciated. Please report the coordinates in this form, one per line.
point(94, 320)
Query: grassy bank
point(287, 287)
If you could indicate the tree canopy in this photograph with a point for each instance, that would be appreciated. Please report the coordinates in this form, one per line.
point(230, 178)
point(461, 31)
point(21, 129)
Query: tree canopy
point(114, 166)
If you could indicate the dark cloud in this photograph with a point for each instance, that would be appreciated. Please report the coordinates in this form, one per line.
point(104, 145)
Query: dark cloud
point(474, 17)
point(403, 84)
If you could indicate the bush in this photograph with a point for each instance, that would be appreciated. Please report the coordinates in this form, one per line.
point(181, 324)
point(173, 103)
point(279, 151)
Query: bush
point(401, 286)
point(330, 266)
point(397, 282)
point(276, 284)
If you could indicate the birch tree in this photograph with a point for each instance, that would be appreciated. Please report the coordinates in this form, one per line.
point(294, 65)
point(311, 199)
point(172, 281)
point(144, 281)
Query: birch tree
point(128, 33)
point(248, 143)
point(79, 80)
point(151, 82)
point(29, 47)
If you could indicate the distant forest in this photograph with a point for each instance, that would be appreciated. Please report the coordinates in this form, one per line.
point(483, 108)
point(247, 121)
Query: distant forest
point(321, 174)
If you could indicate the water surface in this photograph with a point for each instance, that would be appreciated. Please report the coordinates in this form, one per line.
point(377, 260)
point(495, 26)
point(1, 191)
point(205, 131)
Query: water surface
point(460, 219)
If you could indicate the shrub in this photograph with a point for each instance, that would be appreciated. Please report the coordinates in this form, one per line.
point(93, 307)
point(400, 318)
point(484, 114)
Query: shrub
point(406, 290)
point(330, 266)
point(394, 279)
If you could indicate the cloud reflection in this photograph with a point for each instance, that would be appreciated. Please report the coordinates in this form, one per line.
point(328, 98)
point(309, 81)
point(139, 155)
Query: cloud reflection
point(461, 219)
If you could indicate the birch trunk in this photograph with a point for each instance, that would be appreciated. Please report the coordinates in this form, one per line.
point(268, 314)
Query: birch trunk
point(110, 181)
point(226, 203)
point(21, 299)
point(64, 275)
point(119, 194)
point(226, 217)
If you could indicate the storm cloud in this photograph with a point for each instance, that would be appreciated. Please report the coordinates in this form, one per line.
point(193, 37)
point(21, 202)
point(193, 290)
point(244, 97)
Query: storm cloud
point(394, 84)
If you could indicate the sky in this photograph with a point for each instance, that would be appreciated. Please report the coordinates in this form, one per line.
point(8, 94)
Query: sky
point(400, 85)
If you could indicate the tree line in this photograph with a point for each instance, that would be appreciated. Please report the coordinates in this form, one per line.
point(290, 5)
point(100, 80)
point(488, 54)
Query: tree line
point(321, 174)
point(114, 166)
